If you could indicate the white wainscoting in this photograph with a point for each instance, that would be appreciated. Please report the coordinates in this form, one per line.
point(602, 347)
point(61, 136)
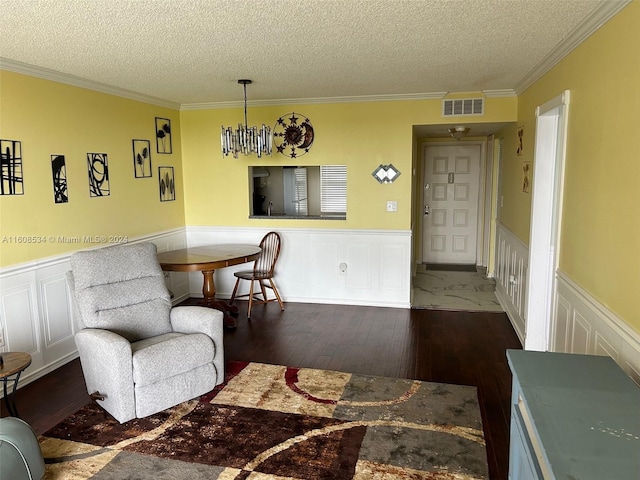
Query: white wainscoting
point(36, 312)
point(512, 261)
point(581, 324)
point(378, 264)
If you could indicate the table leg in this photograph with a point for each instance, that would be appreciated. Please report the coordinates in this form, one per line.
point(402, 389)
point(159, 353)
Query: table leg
point(208, 287)
point(209, 300)
point(9, 397)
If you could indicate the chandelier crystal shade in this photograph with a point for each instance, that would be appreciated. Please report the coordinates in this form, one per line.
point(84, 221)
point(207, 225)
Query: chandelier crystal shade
point(245, 139)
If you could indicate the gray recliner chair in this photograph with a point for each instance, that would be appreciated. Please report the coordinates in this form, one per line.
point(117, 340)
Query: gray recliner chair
point(136, 351)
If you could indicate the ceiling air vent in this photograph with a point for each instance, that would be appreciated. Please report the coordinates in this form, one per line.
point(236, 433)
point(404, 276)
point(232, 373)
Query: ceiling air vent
point(462, 106)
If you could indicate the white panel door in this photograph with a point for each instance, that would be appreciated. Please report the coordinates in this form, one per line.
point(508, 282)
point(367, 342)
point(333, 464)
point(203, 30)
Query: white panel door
point(451, 186)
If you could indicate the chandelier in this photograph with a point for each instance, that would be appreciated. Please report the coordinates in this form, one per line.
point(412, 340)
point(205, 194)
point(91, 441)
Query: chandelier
point(246, 139)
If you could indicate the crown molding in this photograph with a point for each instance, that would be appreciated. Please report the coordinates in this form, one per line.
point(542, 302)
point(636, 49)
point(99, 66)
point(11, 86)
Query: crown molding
point(310, 101)
point(599, 17)
point(506, 92)
point(46, 74)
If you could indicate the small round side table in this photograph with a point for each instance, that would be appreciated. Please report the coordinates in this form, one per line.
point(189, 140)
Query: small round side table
point(11, 367)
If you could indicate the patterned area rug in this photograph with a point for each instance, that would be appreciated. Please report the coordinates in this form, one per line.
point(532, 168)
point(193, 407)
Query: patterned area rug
point(274, 422)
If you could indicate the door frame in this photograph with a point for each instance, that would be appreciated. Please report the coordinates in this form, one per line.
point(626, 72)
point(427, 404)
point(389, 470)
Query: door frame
point(546, 216)
point(495, 207)
point(482, 207)
point(487, 206)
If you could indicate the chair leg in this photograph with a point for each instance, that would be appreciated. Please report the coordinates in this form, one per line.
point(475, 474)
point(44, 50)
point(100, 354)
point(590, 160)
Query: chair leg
point(264, 291)
point(275, 290)
point(235, 289)
point(250, 299)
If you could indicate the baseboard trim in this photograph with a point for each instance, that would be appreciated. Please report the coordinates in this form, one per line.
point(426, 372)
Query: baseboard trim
point(517, 322)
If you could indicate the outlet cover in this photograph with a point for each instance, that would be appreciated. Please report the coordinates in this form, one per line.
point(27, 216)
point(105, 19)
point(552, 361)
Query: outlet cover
point(392, 206)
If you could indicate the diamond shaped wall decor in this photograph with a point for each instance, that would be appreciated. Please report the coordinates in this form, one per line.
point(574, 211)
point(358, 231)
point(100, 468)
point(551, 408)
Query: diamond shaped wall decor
point(386, 173)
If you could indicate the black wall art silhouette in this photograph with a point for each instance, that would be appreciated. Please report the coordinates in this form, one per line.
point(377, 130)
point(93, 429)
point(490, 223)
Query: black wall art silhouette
point(167, 184)
point(98, 169)
point(141, 158)
point(11, 167)
point(163, 135)
point(59, 173)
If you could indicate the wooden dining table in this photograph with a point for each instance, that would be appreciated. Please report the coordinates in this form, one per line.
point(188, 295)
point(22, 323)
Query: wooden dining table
point(12, 364)
point(207, 259)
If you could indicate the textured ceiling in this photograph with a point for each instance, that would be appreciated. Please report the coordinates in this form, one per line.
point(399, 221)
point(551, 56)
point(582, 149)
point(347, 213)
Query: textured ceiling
point(193, 51)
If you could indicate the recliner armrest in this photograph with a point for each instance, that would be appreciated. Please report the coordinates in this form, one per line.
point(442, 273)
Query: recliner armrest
point(113, 348)
point(193, 319)
point(107, 365)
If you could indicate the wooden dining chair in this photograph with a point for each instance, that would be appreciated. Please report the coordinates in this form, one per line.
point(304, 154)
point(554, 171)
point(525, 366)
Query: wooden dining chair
point(263, 271)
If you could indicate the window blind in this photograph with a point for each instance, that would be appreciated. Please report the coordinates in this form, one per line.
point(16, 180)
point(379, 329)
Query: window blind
point(333, 188)
point(300, 191)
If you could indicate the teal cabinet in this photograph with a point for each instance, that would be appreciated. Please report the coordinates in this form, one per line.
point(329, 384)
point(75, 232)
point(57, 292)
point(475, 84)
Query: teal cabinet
point(573, 417)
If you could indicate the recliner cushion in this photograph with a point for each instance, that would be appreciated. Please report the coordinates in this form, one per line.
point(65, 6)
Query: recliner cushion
point(168, 355)
point(121, 288)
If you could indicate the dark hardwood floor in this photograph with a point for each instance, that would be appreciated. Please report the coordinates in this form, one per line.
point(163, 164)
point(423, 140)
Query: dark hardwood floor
point(452, 347)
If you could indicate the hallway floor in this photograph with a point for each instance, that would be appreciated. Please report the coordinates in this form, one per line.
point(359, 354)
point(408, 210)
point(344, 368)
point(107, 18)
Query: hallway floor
point(454, 290)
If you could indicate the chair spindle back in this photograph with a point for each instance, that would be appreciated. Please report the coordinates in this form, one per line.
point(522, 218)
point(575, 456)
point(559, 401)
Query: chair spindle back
point(270, 245)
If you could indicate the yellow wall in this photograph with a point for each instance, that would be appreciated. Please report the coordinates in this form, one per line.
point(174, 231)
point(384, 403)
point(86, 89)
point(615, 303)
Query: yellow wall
point(600, 222)
point(359, 135)
point(52, 118)
point(516, 204)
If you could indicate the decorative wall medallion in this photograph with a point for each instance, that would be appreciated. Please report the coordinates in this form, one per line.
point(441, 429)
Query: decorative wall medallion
point(292, 137)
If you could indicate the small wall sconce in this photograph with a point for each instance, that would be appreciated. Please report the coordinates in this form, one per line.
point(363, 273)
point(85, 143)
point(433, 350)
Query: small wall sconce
point(386, 173)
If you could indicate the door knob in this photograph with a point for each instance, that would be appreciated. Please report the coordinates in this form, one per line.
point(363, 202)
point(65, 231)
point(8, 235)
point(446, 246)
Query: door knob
point(426, 209)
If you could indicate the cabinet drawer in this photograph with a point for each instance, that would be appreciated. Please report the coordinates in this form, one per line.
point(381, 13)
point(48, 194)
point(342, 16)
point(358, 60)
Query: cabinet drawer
point(525, 457)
